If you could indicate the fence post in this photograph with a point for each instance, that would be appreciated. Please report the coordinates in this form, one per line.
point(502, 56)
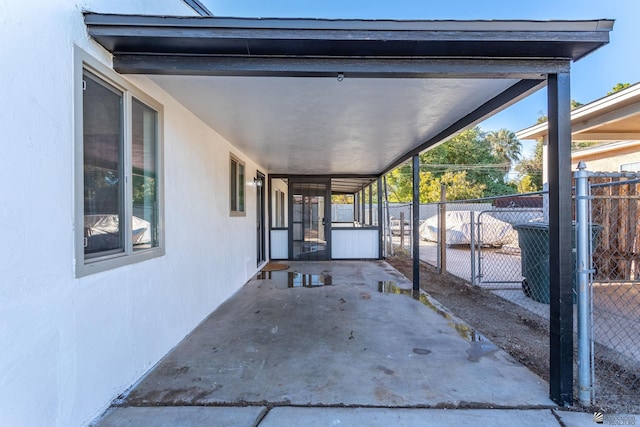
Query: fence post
point(473, 248)
point(442, 229)
point(387, 217)
point(402, 229)
point(583, 269)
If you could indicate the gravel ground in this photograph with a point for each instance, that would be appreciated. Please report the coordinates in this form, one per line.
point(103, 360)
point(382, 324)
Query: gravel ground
point(521, 333)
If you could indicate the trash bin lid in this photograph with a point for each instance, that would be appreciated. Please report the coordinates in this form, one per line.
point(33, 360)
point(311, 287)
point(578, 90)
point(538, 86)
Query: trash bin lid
point(532, 226)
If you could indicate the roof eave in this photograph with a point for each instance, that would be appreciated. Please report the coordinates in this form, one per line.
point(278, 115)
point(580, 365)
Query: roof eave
point(587, 111)
point(137, 34)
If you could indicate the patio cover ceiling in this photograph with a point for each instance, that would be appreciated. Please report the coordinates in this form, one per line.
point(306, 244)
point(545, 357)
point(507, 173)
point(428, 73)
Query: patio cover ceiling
point(347, 98)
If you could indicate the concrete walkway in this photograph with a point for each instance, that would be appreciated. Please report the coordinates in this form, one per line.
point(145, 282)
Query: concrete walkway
point(327, 347)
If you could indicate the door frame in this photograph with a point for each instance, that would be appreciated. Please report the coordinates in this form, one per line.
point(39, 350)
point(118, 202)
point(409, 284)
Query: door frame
point(292, 180)
point(260, 217)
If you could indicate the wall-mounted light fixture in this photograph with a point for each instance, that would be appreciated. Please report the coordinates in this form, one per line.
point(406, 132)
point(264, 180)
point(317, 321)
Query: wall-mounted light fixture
point(257, 182)
point(340, 77)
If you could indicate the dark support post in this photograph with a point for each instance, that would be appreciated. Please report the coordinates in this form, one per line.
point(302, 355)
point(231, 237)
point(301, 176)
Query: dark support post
point(363, 207)
point(356, 208)
point(380, 221)
point(415, 224)
point(371, 204)
point(560, 247)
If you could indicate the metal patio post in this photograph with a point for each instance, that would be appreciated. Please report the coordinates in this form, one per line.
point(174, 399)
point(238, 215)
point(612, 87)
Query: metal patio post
point(380, 221)
point(416, 222)
point(370, 204)
point(363, 212)
point(560, 247)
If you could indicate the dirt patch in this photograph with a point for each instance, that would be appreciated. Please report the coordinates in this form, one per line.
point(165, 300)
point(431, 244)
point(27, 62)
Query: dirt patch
point(521, 333)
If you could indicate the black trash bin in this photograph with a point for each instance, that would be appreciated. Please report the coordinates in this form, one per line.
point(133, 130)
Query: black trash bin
point(533, 238)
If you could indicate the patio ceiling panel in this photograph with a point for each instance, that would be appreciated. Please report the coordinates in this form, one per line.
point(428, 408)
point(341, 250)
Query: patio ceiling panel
point(322, 126)
point(339, 97)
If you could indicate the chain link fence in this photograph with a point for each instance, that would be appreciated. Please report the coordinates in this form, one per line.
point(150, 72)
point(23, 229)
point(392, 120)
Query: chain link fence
point(615, 207)
point(483, 246)
point(502, 244)
point(398, 237)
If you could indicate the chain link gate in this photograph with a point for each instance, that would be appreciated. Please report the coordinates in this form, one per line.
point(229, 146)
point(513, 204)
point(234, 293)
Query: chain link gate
point(615, 286)
point(498, 249)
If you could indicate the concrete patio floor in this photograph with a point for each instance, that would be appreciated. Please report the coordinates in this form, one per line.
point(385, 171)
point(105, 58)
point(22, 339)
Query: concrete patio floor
point(339, 351)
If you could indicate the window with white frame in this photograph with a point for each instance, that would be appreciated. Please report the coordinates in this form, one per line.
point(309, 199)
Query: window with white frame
point(236, 184)
point(630, 167)
point(118, 172)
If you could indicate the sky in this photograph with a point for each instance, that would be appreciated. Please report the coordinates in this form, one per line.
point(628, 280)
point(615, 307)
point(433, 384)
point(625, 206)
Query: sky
point(591, 77)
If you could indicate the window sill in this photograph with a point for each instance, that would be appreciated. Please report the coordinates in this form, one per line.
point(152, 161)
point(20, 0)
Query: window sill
point(111, 262)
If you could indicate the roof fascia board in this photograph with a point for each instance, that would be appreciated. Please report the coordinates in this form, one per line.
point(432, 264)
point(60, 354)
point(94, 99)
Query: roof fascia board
point(534, 132)
point(628, 94)
point(588, 117)
point(515, 93)
point(330, 67)
point(606, 136)
point(465, 26)
point(113, 27)
point(186, 32)
point(583, 124)
point(586, 111)
point(616, 146)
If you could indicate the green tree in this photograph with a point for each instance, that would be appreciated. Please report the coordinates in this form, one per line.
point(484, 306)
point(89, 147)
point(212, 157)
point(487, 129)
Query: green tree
point(342, 199)
point(458, 187)
point(532, 168)
point(505, 145)
point(527, 185)
point(400, 184)
point(471, 165)
point(618, 87)
point(542, 118)
point(471, 151)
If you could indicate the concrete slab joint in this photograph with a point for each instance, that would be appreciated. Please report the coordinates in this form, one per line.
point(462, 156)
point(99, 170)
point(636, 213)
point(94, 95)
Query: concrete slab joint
point(363, 345)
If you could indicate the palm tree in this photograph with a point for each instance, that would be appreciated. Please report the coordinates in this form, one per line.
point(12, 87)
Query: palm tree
point(505, 144)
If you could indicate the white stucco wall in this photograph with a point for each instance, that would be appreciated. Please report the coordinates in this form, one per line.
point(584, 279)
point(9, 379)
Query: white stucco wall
point(69, 346)
point(607, 161)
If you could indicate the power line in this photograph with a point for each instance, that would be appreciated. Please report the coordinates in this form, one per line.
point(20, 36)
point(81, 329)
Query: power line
point(467, 166)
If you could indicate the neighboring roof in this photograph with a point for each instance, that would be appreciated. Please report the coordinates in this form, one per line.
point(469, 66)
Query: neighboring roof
point(374, 93)
point(611, 149)
point(615, 117)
